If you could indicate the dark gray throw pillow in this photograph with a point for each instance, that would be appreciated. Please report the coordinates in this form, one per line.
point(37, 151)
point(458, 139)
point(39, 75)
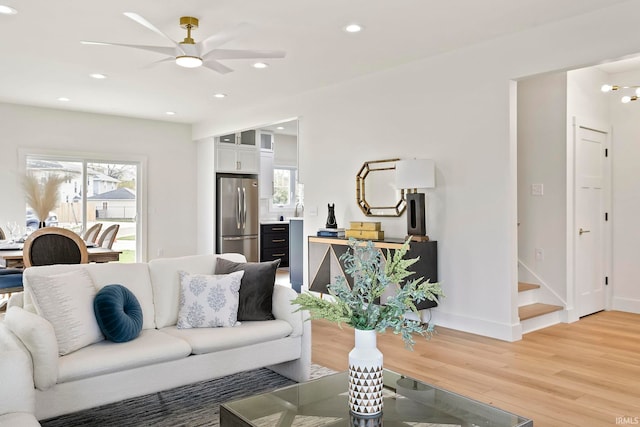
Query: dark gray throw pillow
point(256, 287)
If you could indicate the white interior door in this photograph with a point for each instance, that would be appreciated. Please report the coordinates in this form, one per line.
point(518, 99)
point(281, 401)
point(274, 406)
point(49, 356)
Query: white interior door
point(590, 242)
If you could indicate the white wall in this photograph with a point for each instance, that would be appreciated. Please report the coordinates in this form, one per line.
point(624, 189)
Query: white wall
point(542, 129)
point(169, 153)
point(285, 151)
point(626, 198)
point(454, 108)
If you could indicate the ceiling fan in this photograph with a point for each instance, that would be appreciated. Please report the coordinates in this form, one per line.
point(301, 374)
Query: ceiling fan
point(191, 54)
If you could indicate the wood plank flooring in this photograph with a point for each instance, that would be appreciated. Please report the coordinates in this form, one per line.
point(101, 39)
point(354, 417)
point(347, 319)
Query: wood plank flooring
point(582, 374)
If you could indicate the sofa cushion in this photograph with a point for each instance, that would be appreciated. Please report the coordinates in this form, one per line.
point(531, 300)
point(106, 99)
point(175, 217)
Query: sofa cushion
point(135, 276)
point(208, 301)
point(105, 357)
point(118, 313)
point(256, 290)
point(66, 301)
point(208, 340)
point(166, 283)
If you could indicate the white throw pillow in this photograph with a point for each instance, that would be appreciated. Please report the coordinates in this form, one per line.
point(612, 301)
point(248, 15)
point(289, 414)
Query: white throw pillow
point(208, 301)
point(66, 301)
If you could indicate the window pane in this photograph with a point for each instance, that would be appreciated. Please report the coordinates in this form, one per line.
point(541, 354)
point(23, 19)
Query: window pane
point(67, 212)
point(111, 199)
point(281, 186)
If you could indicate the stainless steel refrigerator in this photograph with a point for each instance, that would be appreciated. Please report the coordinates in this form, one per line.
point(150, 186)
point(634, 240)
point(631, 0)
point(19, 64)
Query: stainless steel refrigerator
point(237, 215)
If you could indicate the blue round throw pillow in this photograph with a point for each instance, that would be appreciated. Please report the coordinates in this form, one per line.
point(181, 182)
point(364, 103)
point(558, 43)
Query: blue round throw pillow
point(118, 313)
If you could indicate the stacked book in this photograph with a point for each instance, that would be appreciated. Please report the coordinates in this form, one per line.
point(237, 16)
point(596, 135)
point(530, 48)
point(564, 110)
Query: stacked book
point(330, 232)
point(365, 230)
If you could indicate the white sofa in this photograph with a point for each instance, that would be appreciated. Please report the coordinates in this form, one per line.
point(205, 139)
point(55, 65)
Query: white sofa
point(162, 356)
point(17, 397)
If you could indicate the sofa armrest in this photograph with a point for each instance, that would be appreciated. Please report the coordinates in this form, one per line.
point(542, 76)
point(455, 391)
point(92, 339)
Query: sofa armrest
point(38, 336)
point(282, 308)
point(16, 388)
point(16, 300)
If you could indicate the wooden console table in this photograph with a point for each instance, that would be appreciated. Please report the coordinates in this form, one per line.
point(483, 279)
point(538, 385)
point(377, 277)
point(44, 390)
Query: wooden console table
point(325, 264)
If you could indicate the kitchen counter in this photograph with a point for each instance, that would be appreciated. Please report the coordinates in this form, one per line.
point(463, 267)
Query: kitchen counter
point(275, 221)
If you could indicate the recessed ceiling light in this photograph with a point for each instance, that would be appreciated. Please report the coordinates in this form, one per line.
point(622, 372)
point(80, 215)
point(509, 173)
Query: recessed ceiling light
point(260, 65)
point(353, 28)
point(220, 95)
point(6, 10)
point(98, 76)
point(170, 113)
point(63, 99)
point(280, 128)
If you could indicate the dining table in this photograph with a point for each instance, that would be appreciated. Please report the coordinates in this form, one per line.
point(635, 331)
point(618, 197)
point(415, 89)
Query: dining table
point(13, 257)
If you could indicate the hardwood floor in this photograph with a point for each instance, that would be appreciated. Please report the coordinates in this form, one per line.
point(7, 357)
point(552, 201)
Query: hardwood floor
point(581, 374)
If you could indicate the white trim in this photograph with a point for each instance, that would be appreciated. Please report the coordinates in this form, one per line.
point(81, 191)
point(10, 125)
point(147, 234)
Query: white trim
point(630, 305)
point(474, 325)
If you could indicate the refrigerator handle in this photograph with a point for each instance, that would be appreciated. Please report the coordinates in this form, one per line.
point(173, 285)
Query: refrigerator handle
point(238, 218)
point(244, 208)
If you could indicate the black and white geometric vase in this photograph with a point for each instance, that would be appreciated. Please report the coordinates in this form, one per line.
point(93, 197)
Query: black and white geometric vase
point(365, 375)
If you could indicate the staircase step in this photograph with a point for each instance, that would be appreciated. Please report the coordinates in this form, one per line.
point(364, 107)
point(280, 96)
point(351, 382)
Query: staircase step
point(526, 286)
point(538, 309)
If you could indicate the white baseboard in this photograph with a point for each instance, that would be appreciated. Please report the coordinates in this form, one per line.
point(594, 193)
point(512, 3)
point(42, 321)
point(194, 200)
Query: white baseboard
point(629, 305)
point(501, 331)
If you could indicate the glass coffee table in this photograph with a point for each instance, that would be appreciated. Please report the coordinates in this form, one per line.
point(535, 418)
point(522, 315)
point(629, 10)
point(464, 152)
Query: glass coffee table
point(323, 402)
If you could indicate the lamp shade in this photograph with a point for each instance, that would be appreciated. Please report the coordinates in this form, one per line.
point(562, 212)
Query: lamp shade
point(415, 173)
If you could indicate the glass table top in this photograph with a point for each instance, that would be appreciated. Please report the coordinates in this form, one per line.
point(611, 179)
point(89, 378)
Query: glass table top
point(323, 402)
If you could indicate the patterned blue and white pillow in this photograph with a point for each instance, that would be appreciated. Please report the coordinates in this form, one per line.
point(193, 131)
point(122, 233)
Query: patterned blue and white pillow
point(208, 301)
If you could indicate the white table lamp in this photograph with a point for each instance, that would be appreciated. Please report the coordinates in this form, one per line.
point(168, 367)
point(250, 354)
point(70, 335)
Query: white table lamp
point(412, 175)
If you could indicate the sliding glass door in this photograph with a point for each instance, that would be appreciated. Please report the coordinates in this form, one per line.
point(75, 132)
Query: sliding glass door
point(105, 192)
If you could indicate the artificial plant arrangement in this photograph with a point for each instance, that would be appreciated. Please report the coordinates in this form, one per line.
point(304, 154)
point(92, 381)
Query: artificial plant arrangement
point(359, 306)
point(42, 195)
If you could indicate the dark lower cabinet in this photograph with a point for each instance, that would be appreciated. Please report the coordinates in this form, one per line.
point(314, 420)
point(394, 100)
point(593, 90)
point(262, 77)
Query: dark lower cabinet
point(274, 243)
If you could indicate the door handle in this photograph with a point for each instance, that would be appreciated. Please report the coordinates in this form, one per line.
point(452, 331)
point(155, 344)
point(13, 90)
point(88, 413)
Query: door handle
point(582, 231)
point(244, 208)
point(238, 210)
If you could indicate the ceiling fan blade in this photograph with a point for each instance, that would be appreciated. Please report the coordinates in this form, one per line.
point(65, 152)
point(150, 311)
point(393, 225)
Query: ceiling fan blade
point(160, 61)
point(244, 54)
point(222, 37)
point(171, 51)
point(140, 20)
point(216, 66)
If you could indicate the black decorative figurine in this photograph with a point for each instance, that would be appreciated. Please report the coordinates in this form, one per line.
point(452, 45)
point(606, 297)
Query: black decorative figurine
point(331, 218)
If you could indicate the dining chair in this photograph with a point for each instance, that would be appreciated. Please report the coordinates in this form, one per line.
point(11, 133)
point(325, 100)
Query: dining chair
point(108, 236)
point(91, 234)
point(10, 282)
point(54, 245)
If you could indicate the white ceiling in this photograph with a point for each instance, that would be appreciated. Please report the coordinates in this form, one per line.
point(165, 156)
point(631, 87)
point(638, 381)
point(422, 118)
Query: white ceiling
point(41, 58)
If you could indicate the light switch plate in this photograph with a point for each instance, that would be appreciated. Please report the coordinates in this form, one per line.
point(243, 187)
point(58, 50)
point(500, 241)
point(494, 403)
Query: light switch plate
point(537, 189)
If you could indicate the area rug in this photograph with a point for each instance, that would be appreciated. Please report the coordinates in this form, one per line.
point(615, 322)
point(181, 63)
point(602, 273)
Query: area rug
point(191, 405)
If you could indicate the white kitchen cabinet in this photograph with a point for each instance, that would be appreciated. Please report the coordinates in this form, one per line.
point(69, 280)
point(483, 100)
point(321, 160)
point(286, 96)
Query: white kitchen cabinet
point(236, 159)
point(238, 152)
point(246, 138)
point(266, 174)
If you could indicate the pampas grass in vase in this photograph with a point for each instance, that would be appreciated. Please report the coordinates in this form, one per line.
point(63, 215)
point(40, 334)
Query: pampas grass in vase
point(42, 196)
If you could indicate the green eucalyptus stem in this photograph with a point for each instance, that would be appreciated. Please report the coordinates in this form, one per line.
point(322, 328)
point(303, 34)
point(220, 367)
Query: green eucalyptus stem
point(356, 306)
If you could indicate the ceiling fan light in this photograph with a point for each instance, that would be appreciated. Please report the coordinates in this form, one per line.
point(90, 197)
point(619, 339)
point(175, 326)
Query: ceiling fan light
point(353, 28)
point(7, 10)
point(187, 61)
